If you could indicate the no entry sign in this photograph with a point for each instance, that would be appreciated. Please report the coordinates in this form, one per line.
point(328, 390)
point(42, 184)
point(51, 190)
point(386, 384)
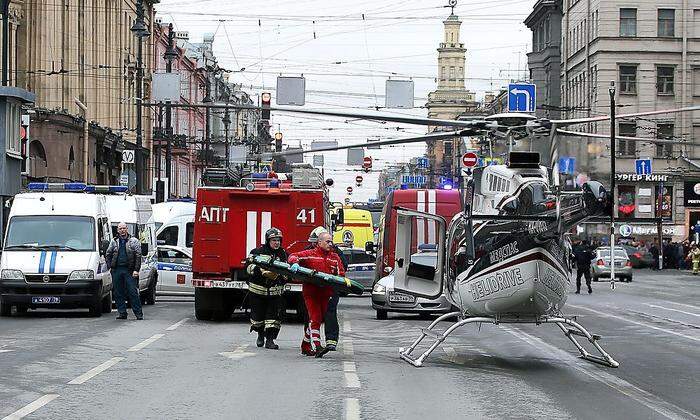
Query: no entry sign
point(469, 159)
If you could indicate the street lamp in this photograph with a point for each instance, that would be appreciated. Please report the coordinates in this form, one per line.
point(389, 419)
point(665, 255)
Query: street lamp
point(170, 55)
point(140, 30)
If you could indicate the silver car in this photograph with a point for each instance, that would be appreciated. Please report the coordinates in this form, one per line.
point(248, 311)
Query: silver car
point(600, 265)
point(361, 266)
point(385, 299)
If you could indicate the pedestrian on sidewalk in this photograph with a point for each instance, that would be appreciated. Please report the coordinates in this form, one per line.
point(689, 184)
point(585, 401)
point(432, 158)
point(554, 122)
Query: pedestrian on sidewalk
point(123, 256)
point(321, 258)
point(583, 265)
point(265, 290)
point(694, 256)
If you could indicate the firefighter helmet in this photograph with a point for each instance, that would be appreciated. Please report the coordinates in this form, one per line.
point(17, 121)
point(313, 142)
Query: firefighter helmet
point(313, 237)
point(273, 233)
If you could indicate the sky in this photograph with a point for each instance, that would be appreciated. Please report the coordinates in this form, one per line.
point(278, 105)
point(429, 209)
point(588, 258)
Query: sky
point(346, 51)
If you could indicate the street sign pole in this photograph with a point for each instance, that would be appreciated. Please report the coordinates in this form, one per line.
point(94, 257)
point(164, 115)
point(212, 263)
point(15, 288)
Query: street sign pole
point(612, 184)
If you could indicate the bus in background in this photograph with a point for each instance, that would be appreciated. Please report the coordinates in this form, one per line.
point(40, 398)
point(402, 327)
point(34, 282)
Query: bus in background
point(444, 203)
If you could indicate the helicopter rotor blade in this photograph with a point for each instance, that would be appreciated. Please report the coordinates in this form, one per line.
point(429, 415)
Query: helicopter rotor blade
point(626, 138)
point(424, 138)
point(636, 114)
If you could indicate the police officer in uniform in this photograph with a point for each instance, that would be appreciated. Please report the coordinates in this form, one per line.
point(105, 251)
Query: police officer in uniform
point(265, 290)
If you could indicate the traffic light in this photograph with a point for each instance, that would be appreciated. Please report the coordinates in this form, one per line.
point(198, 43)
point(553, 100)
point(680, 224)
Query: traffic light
point(265, 104)
point(278, 142)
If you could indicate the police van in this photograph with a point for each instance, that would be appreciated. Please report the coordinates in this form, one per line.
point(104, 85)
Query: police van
point(137, 213)
point(175, 223)
point(53, 250)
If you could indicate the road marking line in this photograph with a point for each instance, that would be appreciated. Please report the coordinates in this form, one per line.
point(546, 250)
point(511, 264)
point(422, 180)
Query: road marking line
point(348, 349)
point(349, 367)
point(646, 398)
point(352, 380)
point(146, 342)
point(238, 353)
point(177, 324)
point(347, 328)
point(95, 371)
point(643, 324)
point(5, 351)
point(685, 304)
point(352, 409)
point(31, 407)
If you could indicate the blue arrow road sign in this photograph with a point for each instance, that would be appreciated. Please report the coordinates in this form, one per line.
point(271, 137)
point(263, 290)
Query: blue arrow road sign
point(521, 97)
point(567, 165)
point(643, 166)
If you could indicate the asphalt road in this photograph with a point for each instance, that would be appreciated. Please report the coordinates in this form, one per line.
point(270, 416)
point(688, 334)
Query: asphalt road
point(57, 365)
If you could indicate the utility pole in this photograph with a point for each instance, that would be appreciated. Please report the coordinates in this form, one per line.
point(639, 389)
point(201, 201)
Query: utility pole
point(227, 122)
point(5, 42)
point(611, 90)
point(207, 100)
point(140, 30)
point(170, 55)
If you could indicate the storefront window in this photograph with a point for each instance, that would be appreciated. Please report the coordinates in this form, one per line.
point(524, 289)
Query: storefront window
point(626, 201)
point(664, 200)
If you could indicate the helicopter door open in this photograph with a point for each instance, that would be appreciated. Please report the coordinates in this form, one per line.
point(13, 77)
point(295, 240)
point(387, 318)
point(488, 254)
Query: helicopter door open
point(420, 254)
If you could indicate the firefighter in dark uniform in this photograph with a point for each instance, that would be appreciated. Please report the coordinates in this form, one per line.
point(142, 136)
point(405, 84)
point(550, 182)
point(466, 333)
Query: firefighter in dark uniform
point(265, 290)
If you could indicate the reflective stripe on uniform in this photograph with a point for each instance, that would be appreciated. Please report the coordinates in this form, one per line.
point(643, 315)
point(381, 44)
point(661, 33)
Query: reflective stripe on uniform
point(272, 323)
point(262, 290)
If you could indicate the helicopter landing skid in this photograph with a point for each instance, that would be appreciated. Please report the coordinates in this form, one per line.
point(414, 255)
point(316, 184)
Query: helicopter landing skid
point(569, 327)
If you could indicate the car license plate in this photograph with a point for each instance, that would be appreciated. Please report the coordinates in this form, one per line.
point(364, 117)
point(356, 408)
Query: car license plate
point(46, 299)
point(401, 298)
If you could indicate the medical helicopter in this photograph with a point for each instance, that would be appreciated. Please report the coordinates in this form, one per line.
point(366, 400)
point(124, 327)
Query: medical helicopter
point(506, 257)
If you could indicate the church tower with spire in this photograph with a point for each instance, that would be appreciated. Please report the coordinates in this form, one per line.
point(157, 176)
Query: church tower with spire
point(450, 99)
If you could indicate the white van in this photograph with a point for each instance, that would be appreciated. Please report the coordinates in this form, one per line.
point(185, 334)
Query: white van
point(175, 223)
point(137, 213)
point(53, 252)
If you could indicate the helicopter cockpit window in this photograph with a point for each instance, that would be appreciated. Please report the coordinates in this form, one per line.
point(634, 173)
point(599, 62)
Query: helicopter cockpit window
point(534, 199)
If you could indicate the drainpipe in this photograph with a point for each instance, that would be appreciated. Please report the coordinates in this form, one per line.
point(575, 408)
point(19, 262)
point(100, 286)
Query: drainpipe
point(86, 140)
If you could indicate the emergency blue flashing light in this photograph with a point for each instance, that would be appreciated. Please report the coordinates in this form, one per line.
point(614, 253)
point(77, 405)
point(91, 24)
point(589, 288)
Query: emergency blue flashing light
point(106, 189)
point(181, 200)
point(274, 183)
point(404, 186)
point(45, 186)
point(447, 186)
point(259, 175)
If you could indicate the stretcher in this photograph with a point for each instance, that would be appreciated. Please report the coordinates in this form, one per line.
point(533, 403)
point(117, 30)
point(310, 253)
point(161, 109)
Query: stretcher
point(307, 275)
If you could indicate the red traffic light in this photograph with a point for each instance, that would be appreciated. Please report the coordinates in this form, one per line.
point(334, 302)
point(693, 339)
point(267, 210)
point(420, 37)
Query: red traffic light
point(265, 99)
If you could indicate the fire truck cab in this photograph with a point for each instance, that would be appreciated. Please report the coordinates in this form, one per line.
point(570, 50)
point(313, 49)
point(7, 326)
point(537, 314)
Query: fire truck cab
point(231, 221)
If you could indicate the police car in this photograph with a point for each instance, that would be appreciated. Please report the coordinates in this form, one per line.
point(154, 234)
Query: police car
point(171, 267)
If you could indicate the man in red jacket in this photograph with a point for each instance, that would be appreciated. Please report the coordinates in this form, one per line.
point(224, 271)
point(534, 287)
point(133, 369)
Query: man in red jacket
point(321, 258)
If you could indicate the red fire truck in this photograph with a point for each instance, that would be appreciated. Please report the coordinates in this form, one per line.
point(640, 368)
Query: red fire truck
point(231, 221)
point(444, 203)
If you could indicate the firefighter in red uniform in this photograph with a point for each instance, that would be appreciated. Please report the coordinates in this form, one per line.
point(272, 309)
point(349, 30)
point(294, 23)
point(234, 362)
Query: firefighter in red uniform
point(322, 258)
point(265, 292)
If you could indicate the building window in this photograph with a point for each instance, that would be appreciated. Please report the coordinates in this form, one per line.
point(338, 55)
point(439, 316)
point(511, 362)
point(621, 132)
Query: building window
point(696, 81)
point(667, 21)
point(448, 149)
point(628, 22)
point(627, 147)
point(628, 79)
point(664, 80)
point(664, 132)
point(12, 123)
point(442, 73)
point(452, 73)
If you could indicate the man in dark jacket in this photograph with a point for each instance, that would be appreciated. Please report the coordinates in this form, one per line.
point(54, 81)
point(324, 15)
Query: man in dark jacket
point(583, 265)
point(123, 256)
point(654, 251)
point(265, 290)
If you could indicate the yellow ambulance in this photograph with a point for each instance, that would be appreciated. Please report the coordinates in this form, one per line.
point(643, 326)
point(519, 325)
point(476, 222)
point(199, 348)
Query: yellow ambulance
point(356, 228)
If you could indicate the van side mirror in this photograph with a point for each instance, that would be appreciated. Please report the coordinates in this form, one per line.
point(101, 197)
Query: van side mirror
point(144, 249)
point(370, 247)
point(103, 246)
point(337, 219)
